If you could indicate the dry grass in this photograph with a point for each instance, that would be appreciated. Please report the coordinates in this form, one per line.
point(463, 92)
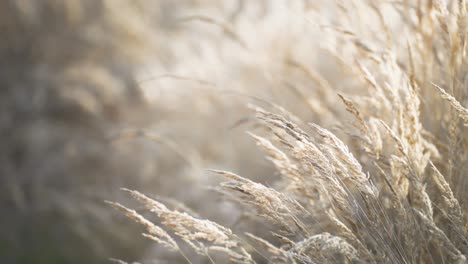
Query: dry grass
point(360, 108)
point(385, 182)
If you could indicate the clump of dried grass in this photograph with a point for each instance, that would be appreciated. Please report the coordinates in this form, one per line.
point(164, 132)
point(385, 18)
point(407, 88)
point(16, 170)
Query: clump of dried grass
point(203, 236)
point(387, 188)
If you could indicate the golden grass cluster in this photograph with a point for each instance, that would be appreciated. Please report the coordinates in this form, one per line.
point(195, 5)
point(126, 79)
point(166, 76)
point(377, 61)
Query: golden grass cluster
point(375, 171)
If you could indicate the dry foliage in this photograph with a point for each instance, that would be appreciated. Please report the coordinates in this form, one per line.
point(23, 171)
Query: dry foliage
point(387, 187)
point(360, 107)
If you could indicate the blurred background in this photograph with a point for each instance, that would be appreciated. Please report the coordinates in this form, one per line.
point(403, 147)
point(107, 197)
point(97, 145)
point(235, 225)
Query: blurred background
point(97, 95)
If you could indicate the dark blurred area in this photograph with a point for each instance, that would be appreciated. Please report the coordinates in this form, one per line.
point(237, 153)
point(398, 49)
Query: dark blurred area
point(67, 81)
